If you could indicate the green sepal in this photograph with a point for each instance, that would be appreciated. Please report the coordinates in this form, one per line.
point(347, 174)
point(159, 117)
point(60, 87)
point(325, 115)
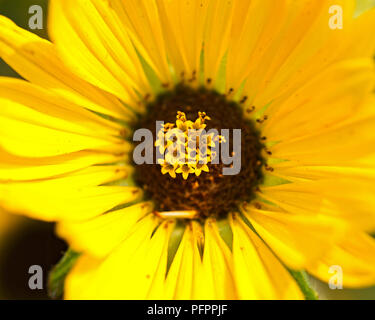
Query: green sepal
point(304, 284)
point(56, 277)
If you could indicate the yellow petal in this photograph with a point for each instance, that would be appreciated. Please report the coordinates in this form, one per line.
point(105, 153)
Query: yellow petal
point(342, 198)
point(355, 255)
point(40, 100)
point(37, 123)
point(113, 228)
point(331, 97)
point(73, 197)
point(217, 275)
point(183, 38)
point(217, 35)
point(34, 141)
point(297, 240)
point(36, 60)
point(363, 35)
point(141, 19)
point(312, 45)
point(90, 40)
point(345, 141)
point(255, 26)
point(13, 168)
point(191, 278)
point(80, 277)
point(181, 280)
point(258, 273)
point(295, 172)
point(129, 271)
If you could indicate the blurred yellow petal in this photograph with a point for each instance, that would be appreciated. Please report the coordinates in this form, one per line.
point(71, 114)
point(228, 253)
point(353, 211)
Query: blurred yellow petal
point(363, 35)
point(310, 48)
point(342, 198)
point(355, 255)
point(295, 172)
point(297, 240)
point(128, 273)
point(113, 227)
point(258, 273)
point(331, 97)
point(349, 140)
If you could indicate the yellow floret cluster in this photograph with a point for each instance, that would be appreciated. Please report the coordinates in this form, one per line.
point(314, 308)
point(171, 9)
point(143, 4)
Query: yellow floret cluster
point(186, 146)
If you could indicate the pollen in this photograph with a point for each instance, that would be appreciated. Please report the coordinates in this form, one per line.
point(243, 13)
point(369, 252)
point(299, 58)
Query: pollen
point(186, 146)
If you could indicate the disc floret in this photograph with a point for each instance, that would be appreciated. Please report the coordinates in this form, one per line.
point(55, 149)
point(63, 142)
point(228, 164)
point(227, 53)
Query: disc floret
point(186, 147)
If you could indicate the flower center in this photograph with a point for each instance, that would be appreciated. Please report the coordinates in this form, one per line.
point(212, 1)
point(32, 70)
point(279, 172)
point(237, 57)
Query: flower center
point(225, 168)
point(186, 147)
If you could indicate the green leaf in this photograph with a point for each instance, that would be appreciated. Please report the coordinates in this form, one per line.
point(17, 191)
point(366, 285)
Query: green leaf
point(58, 274)
point(304, 284)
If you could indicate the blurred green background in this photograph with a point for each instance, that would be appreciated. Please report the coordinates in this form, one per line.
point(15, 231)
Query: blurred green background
point(47, 248)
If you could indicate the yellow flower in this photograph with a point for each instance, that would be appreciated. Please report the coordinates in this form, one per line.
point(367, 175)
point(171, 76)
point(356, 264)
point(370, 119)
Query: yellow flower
point(300, 91)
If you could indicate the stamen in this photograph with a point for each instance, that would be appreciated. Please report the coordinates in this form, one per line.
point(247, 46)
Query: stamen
point(193, 76)
point(192, 160)
point(250, 109)
point(244, 99)
point(268, 152)
point(257, 205)
point(265, 118)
